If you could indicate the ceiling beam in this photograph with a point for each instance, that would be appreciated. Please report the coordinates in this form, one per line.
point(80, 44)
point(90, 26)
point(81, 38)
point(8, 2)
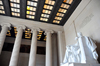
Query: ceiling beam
point(23, 6)
point(39, 9)
point(7, 9)
point(69, 12)
point(55, 10)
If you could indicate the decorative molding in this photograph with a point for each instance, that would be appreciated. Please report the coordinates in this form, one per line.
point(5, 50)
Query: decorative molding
point(7, 25)
point(60, 31)
point(35, 29)
point(48, 31)
point(21, 27)
point(29, 23)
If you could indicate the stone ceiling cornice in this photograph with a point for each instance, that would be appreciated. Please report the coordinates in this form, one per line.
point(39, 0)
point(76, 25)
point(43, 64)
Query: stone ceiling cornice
point(16, 21)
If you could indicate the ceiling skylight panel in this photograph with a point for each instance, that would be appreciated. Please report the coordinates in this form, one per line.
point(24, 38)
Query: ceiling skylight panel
point(65, 6)
point(16, 1)
point(62, 10)
point(55, 21)
point(39, 35)
point(31, 9)
point(1, 2)
point(2, 11)
point(15, 31)
point(47, 8)
point(45, 15)
point(58, 18)
point(28, 33)
point(60, 14)
point(50, 2)
point(15, 7)
point(68, 1)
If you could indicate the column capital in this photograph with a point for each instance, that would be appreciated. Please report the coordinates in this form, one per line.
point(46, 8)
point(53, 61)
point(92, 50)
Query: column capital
point(35, 29)
point(7, 25)
point(21, 27)
point(48, 31)
point(60, 31)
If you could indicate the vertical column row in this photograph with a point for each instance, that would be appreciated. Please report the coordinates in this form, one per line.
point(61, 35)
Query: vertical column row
point(48, 48)
point(17, 44)
point(5, 27)
point(32, 57)
point(60, 46)
point(16, 48)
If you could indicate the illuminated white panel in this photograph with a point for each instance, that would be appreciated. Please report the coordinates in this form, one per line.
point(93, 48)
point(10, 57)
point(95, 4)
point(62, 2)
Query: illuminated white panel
point(2, 11)
point(48, 6)
point(31, 9)
point(62, 10)
point(15, 7)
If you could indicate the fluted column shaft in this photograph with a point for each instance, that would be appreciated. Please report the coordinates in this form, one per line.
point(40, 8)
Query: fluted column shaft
point(16, 48)
point(48, 49)
point(32, 57)
point(60, 46)
point(3, 35)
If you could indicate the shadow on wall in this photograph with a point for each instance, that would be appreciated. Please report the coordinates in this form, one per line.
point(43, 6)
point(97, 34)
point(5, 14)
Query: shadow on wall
point(98, 51)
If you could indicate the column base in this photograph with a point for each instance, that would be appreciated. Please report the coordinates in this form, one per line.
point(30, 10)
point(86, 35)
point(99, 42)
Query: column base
point(79, 64)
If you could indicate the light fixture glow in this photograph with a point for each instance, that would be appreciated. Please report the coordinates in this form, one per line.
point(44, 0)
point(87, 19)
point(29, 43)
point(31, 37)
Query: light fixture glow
point(2, 11)
point(65, 6)
point(31, 9)
point(55, 21)
point(62, 10)
point(15, 7)
point(28, 33)
point(48, 6)
point(68, 1)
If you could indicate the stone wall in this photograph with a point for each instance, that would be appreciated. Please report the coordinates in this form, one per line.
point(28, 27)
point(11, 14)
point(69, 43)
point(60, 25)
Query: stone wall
point(86, 19)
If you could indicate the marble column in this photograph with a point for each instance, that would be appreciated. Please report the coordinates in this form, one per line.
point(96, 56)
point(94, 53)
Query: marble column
point(16, 48)
point(5, 28)
point(48, 48)
point(32, 57)
point(59, 33)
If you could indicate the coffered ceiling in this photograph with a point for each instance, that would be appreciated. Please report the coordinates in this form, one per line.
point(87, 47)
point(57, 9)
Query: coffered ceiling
point(47, 11)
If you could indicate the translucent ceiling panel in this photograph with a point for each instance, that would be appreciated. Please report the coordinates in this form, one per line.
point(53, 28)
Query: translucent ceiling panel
point(15, 7)
point(15, 31)
point(2, 11)
point(28, 34)
point(68, 1)
point(62, 10)
point(48, 6)
point(31, 9)
point(39, 35)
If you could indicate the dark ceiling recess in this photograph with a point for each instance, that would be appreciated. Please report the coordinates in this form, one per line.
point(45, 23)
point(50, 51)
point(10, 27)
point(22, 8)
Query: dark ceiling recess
point(48, 11)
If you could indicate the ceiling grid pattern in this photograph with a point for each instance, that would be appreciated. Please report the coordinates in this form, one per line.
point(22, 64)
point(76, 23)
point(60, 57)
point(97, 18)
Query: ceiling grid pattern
point(48, 6)
point(47, 11)
point(2, 11)
point(62, 10)
point(31, 9)
point(15, 7)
